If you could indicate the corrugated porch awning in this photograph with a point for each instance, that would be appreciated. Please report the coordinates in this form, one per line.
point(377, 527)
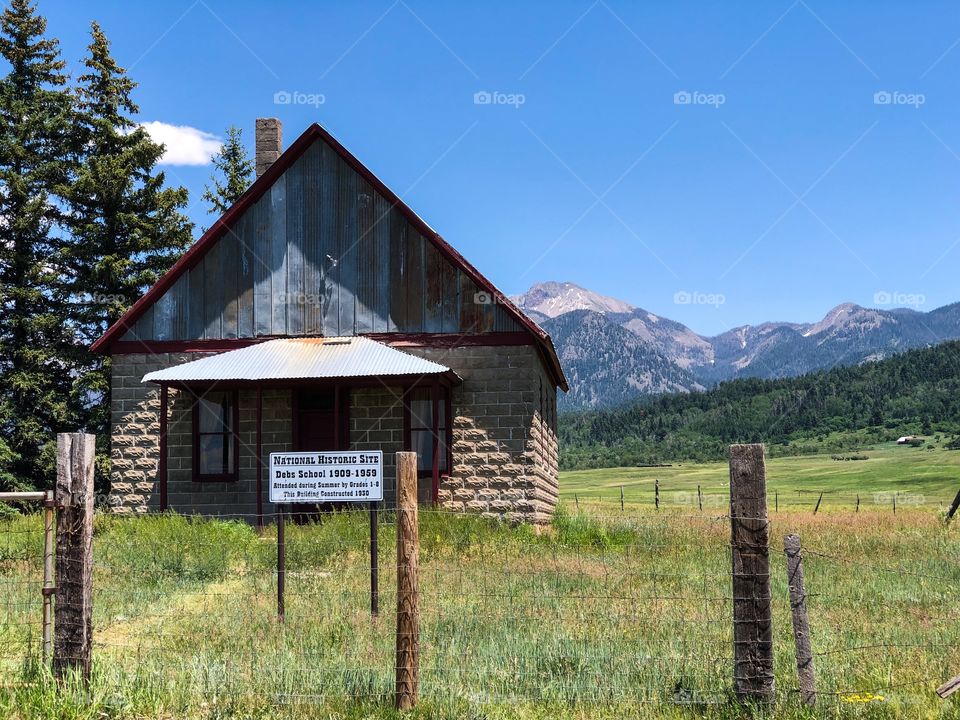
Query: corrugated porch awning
point(291, 359)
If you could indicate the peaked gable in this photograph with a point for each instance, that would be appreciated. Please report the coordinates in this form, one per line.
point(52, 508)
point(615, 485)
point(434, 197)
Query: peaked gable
point(319, 246)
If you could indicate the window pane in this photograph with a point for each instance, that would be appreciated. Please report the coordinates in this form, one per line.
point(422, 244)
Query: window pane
point(422, 444)
point(421, 414)
point(216, 454)
point(216, 413)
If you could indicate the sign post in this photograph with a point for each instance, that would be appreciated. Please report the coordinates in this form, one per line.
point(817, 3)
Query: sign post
point(323, 477)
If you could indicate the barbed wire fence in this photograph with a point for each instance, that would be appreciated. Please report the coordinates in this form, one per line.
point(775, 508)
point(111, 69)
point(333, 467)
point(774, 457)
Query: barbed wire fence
point(603, 608)
point(21, 586)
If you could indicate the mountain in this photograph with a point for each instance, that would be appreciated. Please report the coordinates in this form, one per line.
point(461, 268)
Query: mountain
point(615, 352)
point(607, 364)
point(844, 409)
point(551, 299)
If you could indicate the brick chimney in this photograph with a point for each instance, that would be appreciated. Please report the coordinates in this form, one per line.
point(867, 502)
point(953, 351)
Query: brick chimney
point(269, 143)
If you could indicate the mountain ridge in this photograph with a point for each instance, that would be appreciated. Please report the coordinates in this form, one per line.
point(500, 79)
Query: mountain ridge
point(658, 355)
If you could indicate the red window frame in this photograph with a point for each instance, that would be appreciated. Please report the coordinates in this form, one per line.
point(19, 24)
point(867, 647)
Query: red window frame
point(233, 432)
point(446, 433)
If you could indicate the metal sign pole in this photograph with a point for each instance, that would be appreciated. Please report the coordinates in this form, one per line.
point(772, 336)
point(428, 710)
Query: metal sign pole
point(374, 568)
point(281, 562)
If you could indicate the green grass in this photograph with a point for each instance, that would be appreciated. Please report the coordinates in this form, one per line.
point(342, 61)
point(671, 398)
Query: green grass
point(921, 476)
point(607, 614)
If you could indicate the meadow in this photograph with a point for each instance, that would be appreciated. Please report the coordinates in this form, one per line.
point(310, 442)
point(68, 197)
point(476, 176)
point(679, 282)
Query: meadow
point(920, 476)
point(606, 613)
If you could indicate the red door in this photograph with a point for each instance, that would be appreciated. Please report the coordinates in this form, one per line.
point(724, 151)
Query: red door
point(316, 422)
point(317, 419)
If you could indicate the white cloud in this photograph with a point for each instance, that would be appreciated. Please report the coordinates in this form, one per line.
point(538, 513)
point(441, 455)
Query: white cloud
point(184, 145)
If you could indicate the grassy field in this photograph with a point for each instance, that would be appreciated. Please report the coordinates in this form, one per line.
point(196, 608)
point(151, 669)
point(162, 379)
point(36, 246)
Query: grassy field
point(920, 476)
point(606, 614)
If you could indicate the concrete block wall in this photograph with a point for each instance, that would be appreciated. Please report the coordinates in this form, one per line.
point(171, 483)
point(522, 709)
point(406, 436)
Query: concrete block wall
point(135, 431)
point(504, 450)
point(376, 423)
point(505, 453)
point(135, 444)
point(235, 498)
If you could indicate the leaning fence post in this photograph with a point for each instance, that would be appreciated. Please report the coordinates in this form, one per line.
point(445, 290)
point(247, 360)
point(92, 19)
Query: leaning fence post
point(408, 585)
point(801, 624)
point(73, 624)
point(819, 500)
point(953, 507)
point(752, 613)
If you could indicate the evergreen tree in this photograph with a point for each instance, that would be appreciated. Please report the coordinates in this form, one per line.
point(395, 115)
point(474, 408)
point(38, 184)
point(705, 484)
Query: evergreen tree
point(35, 168)
point(236, 167)
point(126, 227)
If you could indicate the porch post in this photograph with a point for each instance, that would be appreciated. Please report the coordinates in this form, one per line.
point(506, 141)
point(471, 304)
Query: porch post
point(259, 463)
point(435, 434)
point(162, 462)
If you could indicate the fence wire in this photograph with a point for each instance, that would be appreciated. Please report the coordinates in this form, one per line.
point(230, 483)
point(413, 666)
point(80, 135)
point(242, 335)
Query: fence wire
point(21, 584)
point(604, 608)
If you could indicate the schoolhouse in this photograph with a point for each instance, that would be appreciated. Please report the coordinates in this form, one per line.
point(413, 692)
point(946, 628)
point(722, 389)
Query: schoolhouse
point(321, 313)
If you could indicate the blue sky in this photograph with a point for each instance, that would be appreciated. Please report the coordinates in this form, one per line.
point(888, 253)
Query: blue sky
point(817, 160)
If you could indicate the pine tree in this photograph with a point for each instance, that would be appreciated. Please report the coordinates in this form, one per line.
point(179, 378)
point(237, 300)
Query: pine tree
point(236, 167)
point(35, 168)
point(126, 227)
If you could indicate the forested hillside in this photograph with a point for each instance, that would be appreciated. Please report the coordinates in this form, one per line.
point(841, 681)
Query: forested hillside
point(835, 410)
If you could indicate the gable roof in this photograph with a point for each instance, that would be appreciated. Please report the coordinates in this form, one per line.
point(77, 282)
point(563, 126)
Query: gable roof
point(316, 132)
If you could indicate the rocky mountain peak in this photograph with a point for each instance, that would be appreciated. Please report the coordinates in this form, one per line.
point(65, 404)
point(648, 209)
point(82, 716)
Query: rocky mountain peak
point(556, 298)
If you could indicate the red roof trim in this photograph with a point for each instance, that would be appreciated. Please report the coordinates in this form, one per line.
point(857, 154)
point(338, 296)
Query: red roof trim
point(196, 252)
point(397, 340)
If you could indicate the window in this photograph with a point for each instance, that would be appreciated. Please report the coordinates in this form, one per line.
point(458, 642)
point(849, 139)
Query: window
point(418, 408)
point(216, 445)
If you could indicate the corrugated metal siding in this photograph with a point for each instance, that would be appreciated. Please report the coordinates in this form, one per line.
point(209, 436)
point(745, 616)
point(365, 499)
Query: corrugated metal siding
point(297, 359)
point(321, 253)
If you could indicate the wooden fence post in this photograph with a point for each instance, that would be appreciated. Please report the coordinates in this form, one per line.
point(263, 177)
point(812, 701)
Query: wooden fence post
point(621, 498)
point(752, 613)
point(73, 623)
point(656, 493)
point(408, 584)
point(953, 507)
point(801, 624)
point(819, 500)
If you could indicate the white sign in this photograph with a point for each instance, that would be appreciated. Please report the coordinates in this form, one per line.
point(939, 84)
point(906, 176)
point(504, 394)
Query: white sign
point(310, 477)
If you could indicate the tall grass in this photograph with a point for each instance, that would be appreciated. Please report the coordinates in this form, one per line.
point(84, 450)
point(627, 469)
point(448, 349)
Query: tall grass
point(591, 617)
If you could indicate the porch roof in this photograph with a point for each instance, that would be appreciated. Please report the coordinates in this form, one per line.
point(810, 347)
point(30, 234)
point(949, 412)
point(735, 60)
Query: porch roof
point(303, 359)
